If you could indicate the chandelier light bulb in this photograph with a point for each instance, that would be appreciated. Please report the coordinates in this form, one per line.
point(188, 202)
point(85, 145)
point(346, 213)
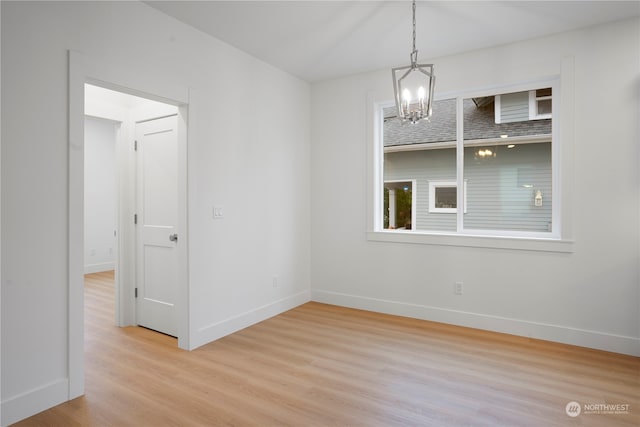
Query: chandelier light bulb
point(406, 96)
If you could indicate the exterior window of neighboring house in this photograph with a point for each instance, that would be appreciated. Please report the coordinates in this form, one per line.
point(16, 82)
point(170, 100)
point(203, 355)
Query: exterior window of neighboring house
point(503, 158)
point(540, 104)
point(443, 196)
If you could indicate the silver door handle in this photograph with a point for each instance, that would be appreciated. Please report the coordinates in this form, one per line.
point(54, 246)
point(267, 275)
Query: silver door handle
point(173, 237)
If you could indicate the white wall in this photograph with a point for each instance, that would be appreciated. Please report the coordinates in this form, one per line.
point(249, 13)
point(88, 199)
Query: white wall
point(100, 207)
point(587, 297)
point(256, 168)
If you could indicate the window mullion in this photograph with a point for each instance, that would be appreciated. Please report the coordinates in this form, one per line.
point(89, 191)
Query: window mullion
point(460, 164)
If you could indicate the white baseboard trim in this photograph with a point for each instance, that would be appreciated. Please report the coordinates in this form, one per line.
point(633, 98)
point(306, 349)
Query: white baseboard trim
point(34, 401)
point(233, 324)
point(100, 267)
point(557, 333)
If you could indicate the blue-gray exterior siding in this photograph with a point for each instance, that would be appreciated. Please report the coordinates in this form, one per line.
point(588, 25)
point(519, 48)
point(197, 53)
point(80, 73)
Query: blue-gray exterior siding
point(500, 190)
point(514, 107)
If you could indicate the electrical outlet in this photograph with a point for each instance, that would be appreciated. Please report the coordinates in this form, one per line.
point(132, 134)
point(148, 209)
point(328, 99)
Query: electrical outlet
point(459, 288)
point(274, 281)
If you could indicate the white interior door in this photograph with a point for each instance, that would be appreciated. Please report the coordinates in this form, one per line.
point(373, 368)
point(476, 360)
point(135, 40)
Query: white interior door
point(157, 216)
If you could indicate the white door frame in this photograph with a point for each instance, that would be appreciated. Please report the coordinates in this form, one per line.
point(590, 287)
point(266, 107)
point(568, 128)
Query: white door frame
point(83, 69)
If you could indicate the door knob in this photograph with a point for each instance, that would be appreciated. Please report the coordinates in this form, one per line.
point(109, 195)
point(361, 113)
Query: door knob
point(173, 237)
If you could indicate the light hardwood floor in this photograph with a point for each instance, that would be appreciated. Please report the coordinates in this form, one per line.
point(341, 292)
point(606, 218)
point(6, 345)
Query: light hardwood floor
point(320, 365)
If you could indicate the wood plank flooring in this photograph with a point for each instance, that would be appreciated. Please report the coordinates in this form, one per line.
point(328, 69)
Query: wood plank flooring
point(320, 365)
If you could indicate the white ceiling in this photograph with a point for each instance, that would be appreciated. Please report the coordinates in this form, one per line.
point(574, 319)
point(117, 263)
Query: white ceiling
point(319, 40)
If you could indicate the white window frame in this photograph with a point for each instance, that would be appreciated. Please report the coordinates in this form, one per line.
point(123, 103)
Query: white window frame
point(558, 240)
point(497, 108)
point(433, 185)
point(533, 105)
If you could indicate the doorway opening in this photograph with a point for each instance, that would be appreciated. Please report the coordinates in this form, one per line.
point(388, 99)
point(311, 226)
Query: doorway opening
point(123, 185)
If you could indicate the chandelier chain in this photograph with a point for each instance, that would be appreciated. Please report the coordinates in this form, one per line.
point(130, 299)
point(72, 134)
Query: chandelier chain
point(414, 53)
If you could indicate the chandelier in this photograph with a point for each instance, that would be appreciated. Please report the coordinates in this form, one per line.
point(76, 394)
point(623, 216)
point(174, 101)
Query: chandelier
point(413, 85)
point(484, 153)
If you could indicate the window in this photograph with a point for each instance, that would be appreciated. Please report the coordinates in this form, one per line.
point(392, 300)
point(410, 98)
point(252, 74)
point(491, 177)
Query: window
point(540, 104)
point(424, 152)
point(443, 197)
point(498, 146)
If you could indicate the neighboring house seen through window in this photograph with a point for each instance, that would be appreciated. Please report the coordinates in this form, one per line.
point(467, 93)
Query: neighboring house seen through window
point(505, 165)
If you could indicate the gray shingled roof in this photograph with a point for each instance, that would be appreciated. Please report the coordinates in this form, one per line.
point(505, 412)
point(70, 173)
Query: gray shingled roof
point(479, 123)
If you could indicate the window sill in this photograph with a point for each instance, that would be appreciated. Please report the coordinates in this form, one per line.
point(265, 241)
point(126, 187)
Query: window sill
point(473, 241)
